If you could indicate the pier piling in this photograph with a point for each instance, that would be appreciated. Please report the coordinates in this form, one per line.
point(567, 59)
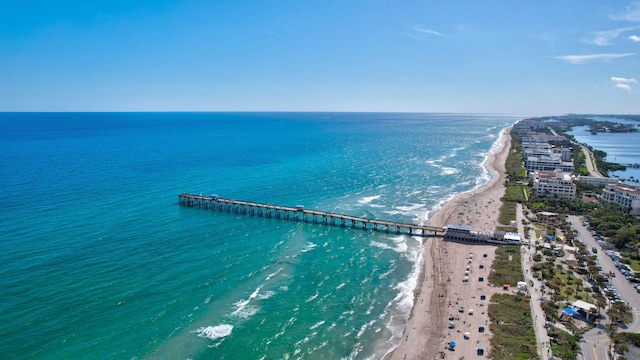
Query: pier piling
point(299, 213)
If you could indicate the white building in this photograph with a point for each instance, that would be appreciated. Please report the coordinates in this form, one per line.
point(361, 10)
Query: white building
point(554, 184)
point(624, 195)
point(534, 163)
point(597, 181)
point(564, 153)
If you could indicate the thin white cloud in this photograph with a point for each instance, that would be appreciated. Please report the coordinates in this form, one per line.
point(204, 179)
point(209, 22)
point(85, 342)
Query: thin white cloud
point(635, 38)
point(623, 80)
point(623, 83)
point(631, 13)
point(623, 86)
point(582, 59)
point(422, 30)
point(604, 38)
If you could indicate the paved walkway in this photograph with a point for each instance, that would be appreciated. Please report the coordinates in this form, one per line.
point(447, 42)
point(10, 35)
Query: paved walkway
point(528, 251)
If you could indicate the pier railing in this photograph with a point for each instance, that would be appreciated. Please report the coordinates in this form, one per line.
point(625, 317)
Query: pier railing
point(300, 213)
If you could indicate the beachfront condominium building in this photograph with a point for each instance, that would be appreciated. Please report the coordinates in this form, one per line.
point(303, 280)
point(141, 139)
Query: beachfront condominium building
point(624, 195)
point(547, 163)
point(539, 154)
point(554, 184)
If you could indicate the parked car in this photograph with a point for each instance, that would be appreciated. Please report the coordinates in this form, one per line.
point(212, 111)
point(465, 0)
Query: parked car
point(611, 273)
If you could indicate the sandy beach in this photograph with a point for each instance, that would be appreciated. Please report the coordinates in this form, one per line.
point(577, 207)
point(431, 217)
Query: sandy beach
point(447, 307)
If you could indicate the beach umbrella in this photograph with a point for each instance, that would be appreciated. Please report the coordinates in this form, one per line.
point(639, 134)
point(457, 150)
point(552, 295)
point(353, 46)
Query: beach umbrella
point(467, 333)
point(470, 311)
point(452, 344)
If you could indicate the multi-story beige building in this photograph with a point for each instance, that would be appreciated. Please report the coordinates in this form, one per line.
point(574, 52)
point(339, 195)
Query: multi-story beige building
point(624, 195)
point(554, 184)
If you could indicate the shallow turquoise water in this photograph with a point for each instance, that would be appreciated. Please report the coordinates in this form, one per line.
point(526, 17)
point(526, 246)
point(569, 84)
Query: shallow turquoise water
point(99, 261)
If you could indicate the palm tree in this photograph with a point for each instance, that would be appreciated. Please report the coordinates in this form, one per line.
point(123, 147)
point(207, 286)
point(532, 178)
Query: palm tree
point(600, 303)
point(595, 312)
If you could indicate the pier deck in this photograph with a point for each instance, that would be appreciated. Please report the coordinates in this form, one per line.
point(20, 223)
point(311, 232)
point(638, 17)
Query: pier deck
point(300, 213)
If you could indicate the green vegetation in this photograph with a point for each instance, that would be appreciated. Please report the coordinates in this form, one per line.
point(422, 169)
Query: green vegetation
point(579, 161)
point(620, 313)
point(515, 193)
point(506, 271)
point(574, 206)
point(507, 213)
point(622, 228)
point(513, 335)
point(604, 166)
point(515, 161)
point(564, 345)
point(632, 339)
point(563, 283)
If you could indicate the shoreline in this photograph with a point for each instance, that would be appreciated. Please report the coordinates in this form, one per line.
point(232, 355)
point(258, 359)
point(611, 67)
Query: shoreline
point(441, 290)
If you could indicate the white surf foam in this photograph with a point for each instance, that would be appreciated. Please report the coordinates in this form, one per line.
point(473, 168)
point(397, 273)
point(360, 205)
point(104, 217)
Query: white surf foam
point(242, 309)
point(310, 246)
point(273, 274)
point(399, 244)
point(215, 332)
point(449, 170)
point(400, 307)
point(316, 325)
point(266, 295)
point(368, 199)
point(313, 297)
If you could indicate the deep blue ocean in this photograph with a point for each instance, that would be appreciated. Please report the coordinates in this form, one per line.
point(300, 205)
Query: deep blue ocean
point(99, 261)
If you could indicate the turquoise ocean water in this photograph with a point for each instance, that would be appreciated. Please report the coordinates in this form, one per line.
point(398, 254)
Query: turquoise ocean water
point(99, 261)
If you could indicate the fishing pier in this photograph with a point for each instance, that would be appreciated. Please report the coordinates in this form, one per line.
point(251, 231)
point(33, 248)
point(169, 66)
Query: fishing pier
point(300, 213)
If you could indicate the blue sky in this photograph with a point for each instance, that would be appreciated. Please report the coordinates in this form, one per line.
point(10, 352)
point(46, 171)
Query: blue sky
point(508, 57)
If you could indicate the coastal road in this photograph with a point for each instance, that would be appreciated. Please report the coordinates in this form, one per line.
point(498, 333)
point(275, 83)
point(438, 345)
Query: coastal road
point(591, 167)
point(589, 162)
point(596, 343)
point(622, 285)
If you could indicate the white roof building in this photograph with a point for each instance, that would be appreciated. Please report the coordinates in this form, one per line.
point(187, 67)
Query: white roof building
point(624, 195)
point(554, 184)
point(547, 163)
point(583, 305)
